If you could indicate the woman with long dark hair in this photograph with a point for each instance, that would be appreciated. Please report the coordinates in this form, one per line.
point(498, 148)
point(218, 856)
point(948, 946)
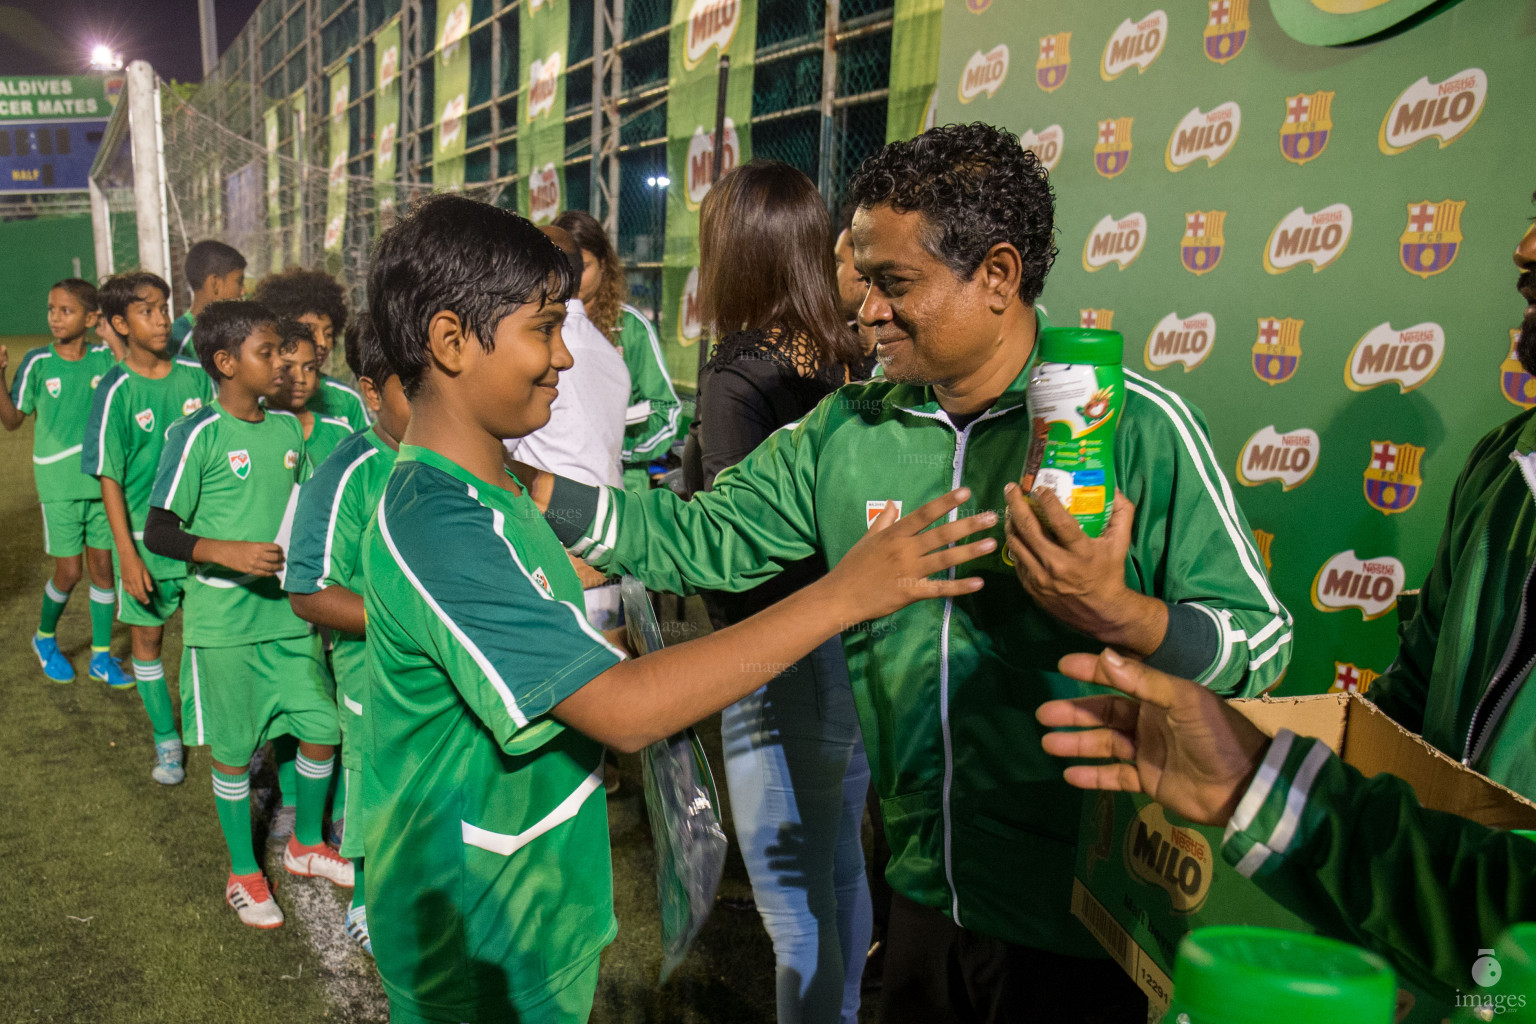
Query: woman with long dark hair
point(652, 415)
point(794, 763)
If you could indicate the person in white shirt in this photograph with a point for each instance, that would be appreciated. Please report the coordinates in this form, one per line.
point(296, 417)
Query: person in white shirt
point(585, 433)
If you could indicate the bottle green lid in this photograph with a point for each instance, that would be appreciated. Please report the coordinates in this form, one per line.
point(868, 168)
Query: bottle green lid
point(1232, 975)
point(1504, 981)
point(1081, 345)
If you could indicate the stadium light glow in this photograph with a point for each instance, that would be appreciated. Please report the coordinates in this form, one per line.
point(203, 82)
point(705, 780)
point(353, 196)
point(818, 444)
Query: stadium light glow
point(104, 58)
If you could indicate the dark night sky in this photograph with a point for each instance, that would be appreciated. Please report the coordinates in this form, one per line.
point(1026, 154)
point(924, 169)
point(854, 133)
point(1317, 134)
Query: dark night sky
point(55, 36)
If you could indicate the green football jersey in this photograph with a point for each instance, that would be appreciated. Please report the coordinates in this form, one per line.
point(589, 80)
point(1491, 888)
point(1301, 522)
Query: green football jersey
point(58, 391)
point(181, 336)
point(335, 506)
point(229, 479)
point(652, 417)
point(130, 418)
point(327, 433)
point(340, 402)
point(489, 878)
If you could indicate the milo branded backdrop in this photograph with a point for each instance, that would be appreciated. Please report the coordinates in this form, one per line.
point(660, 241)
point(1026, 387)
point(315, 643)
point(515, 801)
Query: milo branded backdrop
point(1310, 243)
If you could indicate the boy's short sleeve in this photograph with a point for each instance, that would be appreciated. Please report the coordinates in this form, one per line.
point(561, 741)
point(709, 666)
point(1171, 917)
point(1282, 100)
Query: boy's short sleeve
point(328, 527)
point(179, 479)
point(23, 396)
point(512, 650)
point(104, 446)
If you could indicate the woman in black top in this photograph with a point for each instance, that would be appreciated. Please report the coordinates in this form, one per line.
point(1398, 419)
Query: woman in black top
point(794, 763)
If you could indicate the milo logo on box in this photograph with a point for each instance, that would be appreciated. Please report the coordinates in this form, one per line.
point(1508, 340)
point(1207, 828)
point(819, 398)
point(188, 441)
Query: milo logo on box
point(1176, 860)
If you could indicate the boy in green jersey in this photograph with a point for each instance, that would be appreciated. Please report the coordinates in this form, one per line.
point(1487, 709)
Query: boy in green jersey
point(216, 272)
point(135, 405)
point(251, 669)
point(490, 696)
point(56, 384)
point(313, 297)
point(325, 571)
point(301, 376)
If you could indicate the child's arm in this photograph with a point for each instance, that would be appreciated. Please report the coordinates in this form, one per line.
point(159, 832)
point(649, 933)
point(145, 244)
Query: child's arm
point(137, 581)
point(163, 534)
point(336, 607)
point(638, 702)
point(10, 416)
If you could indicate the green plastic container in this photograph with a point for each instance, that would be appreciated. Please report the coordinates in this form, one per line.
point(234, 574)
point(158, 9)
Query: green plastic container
point(1503, 985)
point(1075, 395)
point(1233, 975)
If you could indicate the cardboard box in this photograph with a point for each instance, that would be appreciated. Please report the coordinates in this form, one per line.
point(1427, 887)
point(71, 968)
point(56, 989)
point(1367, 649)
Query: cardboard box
point(1145, 877)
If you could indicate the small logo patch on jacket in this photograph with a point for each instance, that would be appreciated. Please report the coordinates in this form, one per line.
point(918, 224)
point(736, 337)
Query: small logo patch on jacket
point(872, 510)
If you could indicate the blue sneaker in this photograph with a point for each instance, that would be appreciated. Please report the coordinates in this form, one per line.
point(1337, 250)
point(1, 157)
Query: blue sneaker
point(105, 669)
point(55, 666)
point(167, 770)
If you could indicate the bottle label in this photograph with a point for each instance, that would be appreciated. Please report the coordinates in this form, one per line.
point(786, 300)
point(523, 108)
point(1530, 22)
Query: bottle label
point(1072, 410)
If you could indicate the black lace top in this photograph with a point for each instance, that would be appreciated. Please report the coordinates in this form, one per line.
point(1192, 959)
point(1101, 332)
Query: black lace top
point(754, 384)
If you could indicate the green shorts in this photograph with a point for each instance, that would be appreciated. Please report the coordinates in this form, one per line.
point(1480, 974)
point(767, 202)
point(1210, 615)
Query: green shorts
point(163, 601)
point(349, 664)
point(71, 526)
point(234, 699)
point(352, 837)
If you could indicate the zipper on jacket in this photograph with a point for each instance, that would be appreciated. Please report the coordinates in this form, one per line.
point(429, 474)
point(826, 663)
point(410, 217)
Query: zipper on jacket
point(1494, 703)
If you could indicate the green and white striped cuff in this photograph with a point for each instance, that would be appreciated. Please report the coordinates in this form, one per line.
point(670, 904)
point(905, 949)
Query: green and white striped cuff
point(583, 517)
point(1269, 817)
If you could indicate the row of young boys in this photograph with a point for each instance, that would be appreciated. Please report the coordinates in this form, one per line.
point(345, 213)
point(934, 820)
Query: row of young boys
point(190, 431)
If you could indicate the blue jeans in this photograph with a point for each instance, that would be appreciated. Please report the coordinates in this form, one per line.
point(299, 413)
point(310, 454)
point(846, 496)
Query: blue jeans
point(797, 777)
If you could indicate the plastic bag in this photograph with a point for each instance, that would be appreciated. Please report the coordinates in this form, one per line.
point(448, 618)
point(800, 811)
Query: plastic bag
point(683, 805)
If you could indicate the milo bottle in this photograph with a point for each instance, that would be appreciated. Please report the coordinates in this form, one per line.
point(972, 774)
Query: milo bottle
point(1074, 399)
point(1241, 975)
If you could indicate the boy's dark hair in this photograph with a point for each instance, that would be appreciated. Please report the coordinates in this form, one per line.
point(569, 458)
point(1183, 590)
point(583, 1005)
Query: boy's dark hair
point(224, 326)
point(296, 291)
point(461, 256)
point(290, 332)
point(365, 356)
point(976, 187)
point(209, 258)
point(120, 291)
point(82, 290)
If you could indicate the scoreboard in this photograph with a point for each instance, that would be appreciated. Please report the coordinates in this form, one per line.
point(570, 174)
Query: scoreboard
point(50, 129)
point(48, 157)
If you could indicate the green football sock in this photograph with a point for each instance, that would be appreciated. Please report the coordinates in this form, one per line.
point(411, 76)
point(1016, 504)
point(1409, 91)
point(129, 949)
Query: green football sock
point(284, 750)
point(314, 786)
point(232, 795)
point(357, 883)
point(103, 605)
point(54, 601)
point(157, 699)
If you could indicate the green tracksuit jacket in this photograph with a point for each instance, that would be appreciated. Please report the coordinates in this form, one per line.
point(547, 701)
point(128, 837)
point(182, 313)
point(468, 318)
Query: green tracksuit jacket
point(1458, 678)
point(1361, 860)
point(980, 823)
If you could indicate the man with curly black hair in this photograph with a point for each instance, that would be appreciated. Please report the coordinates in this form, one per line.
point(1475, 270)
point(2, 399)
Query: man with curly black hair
point(953, 239)
point(315, 298)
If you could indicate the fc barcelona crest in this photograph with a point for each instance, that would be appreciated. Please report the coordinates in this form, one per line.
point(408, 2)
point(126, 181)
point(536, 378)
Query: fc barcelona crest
point(1307, 125)
point(1096, 318)
point(1351, 678)
point(1200, 248)
point(1277, 352)
point(1112, 153)
point(145, 418)
point(1054, 63)
point(1263, 539)
point(1432, 238)
point(240, 463)
point(1226, 31)
point(1518, 386)
point(1392, 479)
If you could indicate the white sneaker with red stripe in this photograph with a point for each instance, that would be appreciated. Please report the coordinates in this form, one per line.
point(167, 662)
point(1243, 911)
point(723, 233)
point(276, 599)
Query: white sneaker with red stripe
point(319, 861)
point(252, 900)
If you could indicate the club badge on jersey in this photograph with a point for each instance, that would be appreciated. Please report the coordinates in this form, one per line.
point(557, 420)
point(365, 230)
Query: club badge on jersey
point(240, 463)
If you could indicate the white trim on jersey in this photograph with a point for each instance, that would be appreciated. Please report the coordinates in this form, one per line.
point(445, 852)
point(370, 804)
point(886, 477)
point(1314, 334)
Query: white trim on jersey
point(506, 845)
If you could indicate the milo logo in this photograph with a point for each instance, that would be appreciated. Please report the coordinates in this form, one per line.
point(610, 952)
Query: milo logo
point(1134, 45)
point(1115, 240)
point(1301, 237)
point(1268, 455)
point(1186, 340)
point(711, 23)
point(1176, 860)
point(1385, 355)
point(1433, 110)
point(1200, 135)
point(1045, 144)
point(544, 194)
point(339, 102)
point(543, 84)
point(984, 73)
point(690, 323)
point(699, 170)
point(389, 67)
point(1369, 585)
